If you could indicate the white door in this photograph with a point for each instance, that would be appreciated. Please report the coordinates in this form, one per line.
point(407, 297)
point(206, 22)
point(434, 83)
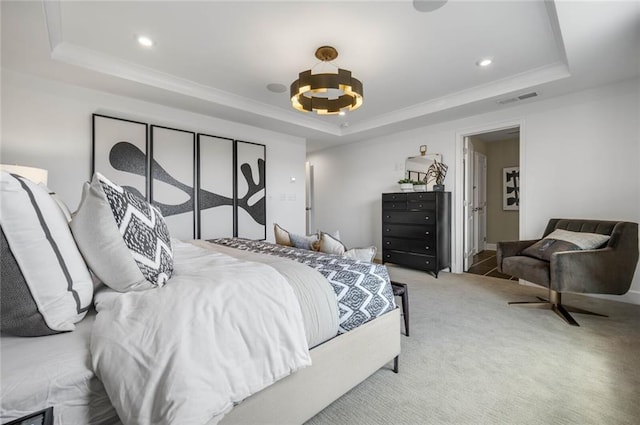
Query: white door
point(308, 203)
point(480, 201)
point(468, 205)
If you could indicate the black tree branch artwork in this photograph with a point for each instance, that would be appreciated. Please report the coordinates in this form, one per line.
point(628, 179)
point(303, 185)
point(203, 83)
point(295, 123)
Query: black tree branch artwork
point(127, 157)
point(256, 211)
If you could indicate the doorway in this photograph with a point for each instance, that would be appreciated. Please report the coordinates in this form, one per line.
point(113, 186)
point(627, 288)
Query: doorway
point(487, 218)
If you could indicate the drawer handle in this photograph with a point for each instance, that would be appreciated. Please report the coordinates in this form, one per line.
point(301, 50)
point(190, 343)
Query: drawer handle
point(388, 216)
point(420, 206)
point(388, 256)
point(426, 262)
point(426, 233)
point(393, 205)
point(426, 217)
point(388, 243)
point(390, 229)
point(426, 247)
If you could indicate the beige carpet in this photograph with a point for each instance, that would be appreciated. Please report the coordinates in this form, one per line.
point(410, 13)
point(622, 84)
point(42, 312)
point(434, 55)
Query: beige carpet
point(472, 359)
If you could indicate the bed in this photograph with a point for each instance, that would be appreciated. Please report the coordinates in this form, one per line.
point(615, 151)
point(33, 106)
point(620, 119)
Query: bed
point(147, 355)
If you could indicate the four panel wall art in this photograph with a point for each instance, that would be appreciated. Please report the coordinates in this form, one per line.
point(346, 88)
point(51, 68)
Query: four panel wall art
point(205, 186)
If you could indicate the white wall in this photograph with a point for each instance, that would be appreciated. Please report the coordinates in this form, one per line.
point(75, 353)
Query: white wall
point(47, 124)
point(579, 158)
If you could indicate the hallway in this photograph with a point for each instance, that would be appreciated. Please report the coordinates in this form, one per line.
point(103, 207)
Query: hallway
point(485, 264)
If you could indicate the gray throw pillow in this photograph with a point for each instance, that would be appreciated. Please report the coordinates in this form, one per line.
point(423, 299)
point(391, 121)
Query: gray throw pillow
point(303, 242)
point(563, 240)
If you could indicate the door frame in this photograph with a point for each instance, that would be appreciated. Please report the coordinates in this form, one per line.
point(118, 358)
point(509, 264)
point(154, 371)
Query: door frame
point(458, 219)
point(468, 161)
point(480, 203)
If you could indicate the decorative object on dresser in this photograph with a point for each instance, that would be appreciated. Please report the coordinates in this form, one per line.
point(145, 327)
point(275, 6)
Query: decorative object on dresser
point(437, 172)
point(427, 169)
point(419, 187)
point(416, 230)
point(406, 185)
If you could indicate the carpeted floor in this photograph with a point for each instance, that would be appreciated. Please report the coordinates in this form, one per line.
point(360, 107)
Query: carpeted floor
point(472, 359)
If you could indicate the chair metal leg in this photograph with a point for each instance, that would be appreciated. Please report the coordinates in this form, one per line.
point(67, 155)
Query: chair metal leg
point(562, 312)
point(395, 364)
point(555, 304)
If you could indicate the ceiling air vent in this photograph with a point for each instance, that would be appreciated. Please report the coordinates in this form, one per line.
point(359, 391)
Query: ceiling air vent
point(527, 96)
point(517, 98)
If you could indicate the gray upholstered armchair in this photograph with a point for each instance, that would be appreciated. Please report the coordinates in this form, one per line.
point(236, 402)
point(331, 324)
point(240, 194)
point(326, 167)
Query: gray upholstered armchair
point(607, 269)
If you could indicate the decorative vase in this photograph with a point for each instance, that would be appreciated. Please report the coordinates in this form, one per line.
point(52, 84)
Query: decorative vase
point(419, 187)
point(406, 187)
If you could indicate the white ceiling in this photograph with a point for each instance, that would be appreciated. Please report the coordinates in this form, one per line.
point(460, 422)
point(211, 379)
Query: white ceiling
point(217, 58)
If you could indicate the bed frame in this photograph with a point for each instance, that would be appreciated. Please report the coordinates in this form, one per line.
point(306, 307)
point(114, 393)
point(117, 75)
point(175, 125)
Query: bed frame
point(338, 365)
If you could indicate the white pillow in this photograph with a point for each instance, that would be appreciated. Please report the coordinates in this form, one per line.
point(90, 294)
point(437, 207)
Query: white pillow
point(362, 254)
point(281, 235)
point(63, 207)
point(331, 245)
point(46, 286)
point(583, 240)
point(123, 238)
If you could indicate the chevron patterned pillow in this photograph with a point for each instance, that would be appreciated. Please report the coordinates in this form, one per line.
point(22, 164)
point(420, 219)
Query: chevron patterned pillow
point(123, 238)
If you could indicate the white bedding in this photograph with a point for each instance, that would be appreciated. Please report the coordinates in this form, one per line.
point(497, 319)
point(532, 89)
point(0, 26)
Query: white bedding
point(316, 296)
point(54, 370)
point(219, 331)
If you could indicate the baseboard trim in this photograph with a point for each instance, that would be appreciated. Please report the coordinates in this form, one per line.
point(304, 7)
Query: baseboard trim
point(631, 297)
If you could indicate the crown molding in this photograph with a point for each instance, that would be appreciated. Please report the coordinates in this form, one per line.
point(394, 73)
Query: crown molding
point(109, 65)
point(516, 83)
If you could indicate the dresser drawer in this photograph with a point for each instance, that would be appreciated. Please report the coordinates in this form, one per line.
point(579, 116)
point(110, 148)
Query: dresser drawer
point(422, 262)
point(398, 205)
point(421, 196)
point(388, 197)
point(421, 205)
point(409, 217)
point(408, 231)
point(417, 246)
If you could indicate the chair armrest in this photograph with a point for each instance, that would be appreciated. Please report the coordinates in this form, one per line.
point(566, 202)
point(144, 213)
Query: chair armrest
point(594, 271)
point(506, 249)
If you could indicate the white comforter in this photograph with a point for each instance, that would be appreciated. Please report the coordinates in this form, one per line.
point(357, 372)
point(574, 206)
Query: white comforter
point(219, 331)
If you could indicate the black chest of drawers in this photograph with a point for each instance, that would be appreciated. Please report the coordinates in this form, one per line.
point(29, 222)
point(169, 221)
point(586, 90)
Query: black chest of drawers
point(416, 230)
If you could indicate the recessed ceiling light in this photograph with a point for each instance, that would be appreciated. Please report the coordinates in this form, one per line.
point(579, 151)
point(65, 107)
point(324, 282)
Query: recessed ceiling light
point(144, 41)
point(428, 5)
point(484, 62)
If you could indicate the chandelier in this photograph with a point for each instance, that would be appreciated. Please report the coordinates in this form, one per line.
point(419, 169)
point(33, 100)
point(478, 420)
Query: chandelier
point(326, 93)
